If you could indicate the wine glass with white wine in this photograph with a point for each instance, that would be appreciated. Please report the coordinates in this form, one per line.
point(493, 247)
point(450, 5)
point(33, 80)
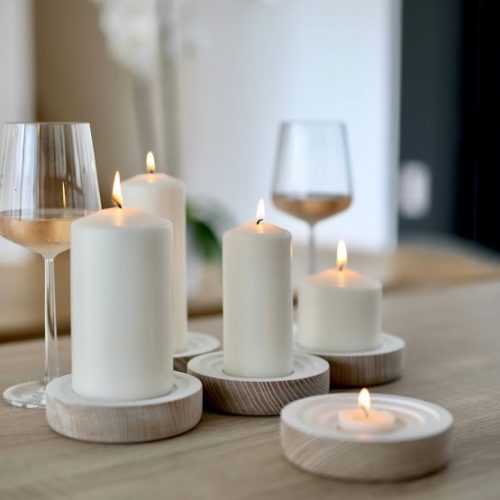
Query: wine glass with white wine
point(312, 176)
point(47, 180)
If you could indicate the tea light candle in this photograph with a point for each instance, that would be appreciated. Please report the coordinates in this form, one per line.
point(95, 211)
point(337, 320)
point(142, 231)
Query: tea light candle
point(121, 281)
point(257, 296)
point(314, 438)
point(164, 196)
point(364, 418)
point(339, 309)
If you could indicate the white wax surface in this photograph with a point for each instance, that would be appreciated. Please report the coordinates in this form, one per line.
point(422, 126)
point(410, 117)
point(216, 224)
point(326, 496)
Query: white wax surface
point(339, 311)
point(164, 196)
point(257, 301)
point(121, 294)
point(377, 421)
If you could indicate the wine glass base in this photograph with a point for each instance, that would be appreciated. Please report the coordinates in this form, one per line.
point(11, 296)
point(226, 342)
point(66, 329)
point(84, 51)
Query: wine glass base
point(26, 395)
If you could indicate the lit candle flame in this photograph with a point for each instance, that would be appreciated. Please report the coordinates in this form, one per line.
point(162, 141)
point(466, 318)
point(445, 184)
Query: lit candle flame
point(117, 191)
point(341, 255)
point(261, 211)
point(150, 163)
point(364, 401)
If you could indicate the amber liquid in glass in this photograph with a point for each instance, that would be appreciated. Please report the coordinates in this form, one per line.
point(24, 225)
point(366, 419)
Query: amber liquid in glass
point(46, 232)
point(312, 207)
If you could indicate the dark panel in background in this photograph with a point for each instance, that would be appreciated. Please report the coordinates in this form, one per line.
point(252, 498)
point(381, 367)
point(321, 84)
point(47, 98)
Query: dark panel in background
point(430, 106)
point(478, 201)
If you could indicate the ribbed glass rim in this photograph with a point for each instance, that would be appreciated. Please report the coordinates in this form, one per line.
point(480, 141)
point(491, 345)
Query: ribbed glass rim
point(46, 123)
point(313, 122)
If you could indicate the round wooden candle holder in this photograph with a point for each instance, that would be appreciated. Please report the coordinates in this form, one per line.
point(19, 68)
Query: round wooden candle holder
point(258, 396)
point(418, 445)
point(124, 421)
point(365, 368)
point(197, 344)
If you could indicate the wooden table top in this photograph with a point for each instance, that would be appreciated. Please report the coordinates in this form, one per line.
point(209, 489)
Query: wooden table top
point(453, 359)
point(410, 265)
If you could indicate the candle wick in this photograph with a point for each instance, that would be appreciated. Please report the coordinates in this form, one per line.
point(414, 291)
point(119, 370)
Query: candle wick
point(365, 411)
point(259, 221)
point(341, 267)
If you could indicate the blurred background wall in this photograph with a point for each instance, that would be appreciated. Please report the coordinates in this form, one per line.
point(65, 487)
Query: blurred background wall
point(250, 65)
point(415, 80)
point(245, 65)
point(17, 85)
point(76, 80)
point(17, 63)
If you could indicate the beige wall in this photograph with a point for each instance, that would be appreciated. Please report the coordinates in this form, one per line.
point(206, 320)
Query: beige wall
point(16, 54)
point(251, 65)
point(16, 85)
point(77, 81)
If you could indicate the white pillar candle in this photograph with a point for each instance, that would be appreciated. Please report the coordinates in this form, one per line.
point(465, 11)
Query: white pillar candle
point(257, 293)
point(121, 293)
point(365, 418)
point(339, 309)
point(165, 196)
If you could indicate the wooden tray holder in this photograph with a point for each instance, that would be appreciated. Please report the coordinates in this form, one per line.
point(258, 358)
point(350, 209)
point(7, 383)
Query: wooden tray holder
point(197, 344)
point(365, 368)
point(419, 445)
point(124, 421)
point(224, 393)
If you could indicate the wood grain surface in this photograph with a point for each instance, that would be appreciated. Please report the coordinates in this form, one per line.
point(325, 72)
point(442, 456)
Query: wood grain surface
point(134, 422)
point(420, 443)
point(410, 265)
point(239, 396)
point(452, 359)
point(378, 462)
point(368, 368)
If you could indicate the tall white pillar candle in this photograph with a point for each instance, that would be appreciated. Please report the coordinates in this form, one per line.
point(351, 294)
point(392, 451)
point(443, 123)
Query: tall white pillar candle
point(121, 305)
point(257, 294)
point(164, 196)
point(339, 309)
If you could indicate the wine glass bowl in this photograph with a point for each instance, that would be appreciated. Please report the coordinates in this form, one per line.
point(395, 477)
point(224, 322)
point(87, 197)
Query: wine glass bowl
point(312, 177)
point(47, 180)
point(312, 207)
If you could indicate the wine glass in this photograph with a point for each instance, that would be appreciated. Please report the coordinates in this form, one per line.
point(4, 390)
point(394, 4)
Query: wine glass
point(47, 180)
point(312, 177)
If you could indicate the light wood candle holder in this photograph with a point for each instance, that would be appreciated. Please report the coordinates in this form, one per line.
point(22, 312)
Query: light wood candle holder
point(124, 421)
point(418, 445)
point(258, 396)
point(197, 344)
point(365, 368)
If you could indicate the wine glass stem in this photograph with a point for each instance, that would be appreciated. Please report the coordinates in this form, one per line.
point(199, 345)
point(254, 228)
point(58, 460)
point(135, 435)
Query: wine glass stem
point(312, 250)
point(51, 355)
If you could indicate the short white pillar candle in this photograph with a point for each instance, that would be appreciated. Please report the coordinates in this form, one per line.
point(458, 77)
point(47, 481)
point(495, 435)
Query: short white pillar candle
point(121, 304)
point(365, 418)
point(339, 309)
point(165, 196)
point(257, 292)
